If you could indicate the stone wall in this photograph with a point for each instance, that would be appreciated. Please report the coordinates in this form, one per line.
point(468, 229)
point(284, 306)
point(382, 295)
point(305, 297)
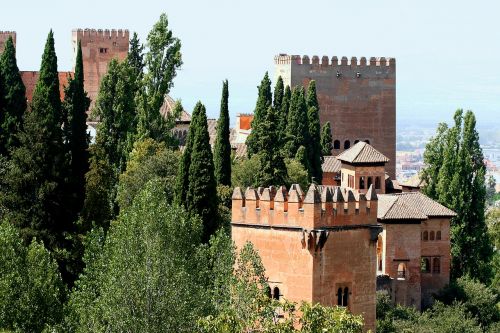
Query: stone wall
point(357, 97)
point(4, 35)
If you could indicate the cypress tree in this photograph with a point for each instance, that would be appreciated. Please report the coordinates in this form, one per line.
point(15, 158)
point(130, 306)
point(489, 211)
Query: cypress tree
point(201, 196)
point(314, 147)
point(303, 159)
point(273, 169)
point(433, 157)
point(182, 180)
point(76, 104)
point(135, 57)
point(13, 96)
point(222, 158)
point(326, 139)
point(35, 179)
point(297, 128)
point(279, 91)
point(264, 101)
point(283, 114)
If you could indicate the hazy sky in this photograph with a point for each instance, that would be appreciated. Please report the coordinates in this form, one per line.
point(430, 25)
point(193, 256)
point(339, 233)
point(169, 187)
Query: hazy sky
point(447, 52)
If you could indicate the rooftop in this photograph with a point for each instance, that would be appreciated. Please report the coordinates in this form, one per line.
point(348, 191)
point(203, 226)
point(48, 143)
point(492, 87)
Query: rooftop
point(410, 206)
point(362, 152)
point(330, 164)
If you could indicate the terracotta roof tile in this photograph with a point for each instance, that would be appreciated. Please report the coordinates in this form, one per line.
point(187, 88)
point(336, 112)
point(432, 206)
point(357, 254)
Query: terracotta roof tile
point(331, 164)
point(413, 181)
point(410, 206)
point(167, 107)
point(362, 152)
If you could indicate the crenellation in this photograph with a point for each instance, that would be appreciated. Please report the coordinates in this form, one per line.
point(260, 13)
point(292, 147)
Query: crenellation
point(343, 61)
point(284, 59)
point(305, 60)
point(325, 61)
point(315, 60)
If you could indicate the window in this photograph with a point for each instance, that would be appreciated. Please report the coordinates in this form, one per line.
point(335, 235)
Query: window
point(367, 141)
point(347, 144)
point(436, 265)
point(377, 183)
point(343, 296)
point(268, 291)
point(276, 293)
point(438, 235)
point(402, 271)
point(425, 236)
point(369, 182)
point(425, 265)
point(362, 182)
point(103, 50)
point(380, 247)
point(336, 144)
point(431, 235)
point(356, 141)
point(115, 43)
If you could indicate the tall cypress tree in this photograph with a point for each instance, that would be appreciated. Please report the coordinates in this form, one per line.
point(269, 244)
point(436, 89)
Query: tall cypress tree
point(264, 101)
point(303, 159)
point(222, 151)
point(201, 196)
point(135, 57)
point(283, 114)
point(297, 128)
point(326, 139)
point(279, 91)
point(76, 104)
point(14, 97)
point(273, 169)
point(434, 155)
point(314, 146)
point(35, 179)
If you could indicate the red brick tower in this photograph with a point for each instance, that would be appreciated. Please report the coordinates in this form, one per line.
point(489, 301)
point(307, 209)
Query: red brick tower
point(98, 48)
point(4, 35)
point(357, 97)
point(317, 247)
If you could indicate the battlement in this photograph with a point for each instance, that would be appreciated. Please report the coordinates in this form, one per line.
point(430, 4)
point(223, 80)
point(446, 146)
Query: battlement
point(320, 207)
point(284, 59)
point(101, 33)
point(4, 36)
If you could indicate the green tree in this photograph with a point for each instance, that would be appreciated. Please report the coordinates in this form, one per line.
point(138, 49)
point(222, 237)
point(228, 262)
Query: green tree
point(31, 288)
point(222, 151)
point(460, 185)
point(13, 97)
point(162, 59)
point(135, 57)
point(279, 92)
point(76, 104)
point(264, 101)
point(35, 180)
point(283, 115)
point(326, 139)
point(273, 169)
point(245, 172)
point(297, 128)
point(201, 196)
point(303, 159)
point(314, 144)
point(149, 160)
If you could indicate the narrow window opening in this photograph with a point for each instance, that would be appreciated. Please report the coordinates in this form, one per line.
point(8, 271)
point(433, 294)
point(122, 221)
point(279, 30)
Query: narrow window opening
point(438, 235)
point(369, 182)
point(425, 236)
point(336, 144)
point(362, 182)
point(377, 182)
point(425, 265)
point(431, 236)
point(346, 297)
point(402, 271)
point(276, 293)
point(339, 297)
point(436, 265)
point(347, 144)
point(367, 141)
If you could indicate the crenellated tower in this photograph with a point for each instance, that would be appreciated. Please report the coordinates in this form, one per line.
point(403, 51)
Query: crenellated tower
point(4, 35)
point(98, 48)
point(318, 246)
point(357, 96)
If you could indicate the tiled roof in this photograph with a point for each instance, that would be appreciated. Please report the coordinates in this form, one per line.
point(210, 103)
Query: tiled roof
point(410, 206)
point(362, 152)
point(240, 149)
point(413, 181)
point(330, 164)
point(168, 106)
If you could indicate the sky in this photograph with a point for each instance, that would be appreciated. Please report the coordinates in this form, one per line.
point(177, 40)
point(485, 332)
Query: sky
point(447, 52)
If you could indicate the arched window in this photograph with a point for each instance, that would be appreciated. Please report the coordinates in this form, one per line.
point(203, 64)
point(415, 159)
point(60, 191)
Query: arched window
point(339, 297)
point(367, 141)
point(369, 182)
point(438, 235)
point(345, 299)
point(431, 235)
point(425, 265)
point(336, 144)
point(276, 293)
point(362, 182)
point(402, 274)
point(436, 265)
point(356, 141)
point(377, 182)
point(425, 236)
point(347, 144)
point(268, 291)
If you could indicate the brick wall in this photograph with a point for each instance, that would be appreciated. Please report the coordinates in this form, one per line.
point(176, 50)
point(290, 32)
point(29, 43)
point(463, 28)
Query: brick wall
point(4, 36)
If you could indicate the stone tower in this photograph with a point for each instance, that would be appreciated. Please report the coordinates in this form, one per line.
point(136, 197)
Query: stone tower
point(318, 246)
point(4, 35)
point(358, 97)
point(98, 48)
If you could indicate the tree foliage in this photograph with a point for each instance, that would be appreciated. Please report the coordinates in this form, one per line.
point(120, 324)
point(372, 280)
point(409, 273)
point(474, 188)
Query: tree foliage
point(314, 127)
point(222, 150)
point(326, 140)
point(264, 101)
point(297, 128)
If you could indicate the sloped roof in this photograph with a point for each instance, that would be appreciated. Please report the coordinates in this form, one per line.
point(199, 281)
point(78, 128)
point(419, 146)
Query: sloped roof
point(410, 206)
point(330, 164)
point(168, 106)
point(362, 152)
point(413, 181)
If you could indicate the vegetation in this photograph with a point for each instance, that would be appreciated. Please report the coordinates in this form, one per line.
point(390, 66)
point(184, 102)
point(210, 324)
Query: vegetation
point(222, 151)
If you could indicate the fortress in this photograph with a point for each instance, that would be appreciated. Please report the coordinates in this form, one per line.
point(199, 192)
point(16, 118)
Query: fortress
point(98, 48)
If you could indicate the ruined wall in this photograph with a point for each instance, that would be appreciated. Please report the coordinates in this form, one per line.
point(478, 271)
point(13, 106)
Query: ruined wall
point(4, 36)
point(436, 250)
point(402, 246)
point(357, 97)
point(312, 243)
point(98, 48)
